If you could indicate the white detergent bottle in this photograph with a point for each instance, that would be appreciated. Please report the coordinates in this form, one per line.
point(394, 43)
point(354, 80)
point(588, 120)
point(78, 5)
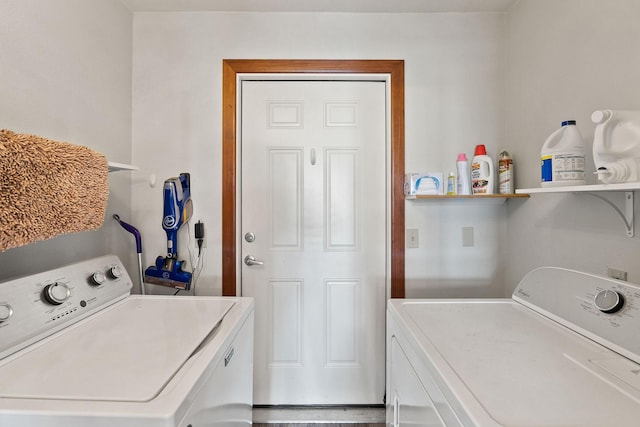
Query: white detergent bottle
point(616, 146)
point(462, 182)
point(482, 173)
point(562, 157)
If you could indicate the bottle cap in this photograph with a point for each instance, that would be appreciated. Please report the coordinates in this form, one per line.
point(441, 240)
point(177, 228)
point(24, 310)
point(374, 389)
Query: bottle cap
point(462, 157)
point(480, 150)
point(568, 122)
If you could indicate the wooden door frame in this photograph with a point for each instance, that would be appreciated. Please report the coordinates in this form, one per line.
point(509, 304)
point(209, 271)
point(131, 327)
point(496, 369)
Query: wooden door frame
point(230, 70)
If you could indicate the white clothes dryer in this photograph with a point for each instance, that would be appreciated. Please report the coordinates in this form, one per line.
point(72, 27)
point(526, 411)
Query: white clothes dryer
point(563, 351)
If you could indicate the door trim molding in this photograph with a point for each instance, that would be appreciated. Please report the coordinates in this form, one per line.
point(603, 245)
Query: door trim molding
point(230, 70)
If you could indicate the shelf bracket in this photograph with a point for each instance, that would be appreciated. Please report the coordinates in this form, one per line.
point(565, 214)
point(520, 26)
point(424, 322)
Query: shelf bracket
point(628, 214)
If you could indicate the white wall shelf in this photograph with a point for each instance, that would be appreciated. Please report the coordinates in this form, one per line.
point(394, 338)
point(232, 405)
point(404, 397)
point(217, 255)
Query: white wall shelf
point(115, 167)
point(487, 199)
point(627, 186)
point(626, 211)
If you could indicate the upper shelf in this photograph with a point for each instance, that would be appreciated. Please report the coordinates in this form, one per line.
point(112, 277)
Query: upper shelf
point(625, 210)
point(627, 186)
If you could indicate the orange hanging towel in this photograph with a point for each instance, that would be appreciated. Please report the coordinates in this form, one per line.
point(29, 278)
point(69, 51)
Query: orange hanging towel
point(48, 188)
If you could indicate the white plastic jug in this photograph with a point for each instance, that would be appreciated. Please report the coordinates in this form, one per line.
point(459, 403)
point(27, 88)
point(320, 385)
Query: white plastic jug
point(562, 157)
point(616, 145)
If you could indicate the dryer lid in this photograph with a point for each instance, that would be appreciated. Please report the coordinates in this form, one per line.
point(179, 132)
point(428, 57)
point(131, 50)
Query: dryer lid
point(127, 352)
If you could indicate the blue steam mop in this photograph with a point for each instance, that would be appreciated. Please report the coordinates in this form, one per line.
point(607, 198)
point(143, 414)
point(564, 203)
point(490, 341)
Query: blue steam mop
point(177, 211)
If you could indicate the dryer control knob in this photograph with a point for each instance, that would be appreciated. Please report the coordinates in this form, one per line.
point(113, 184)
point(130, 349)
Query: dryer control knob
point(56, 293)
point(609, 301)
point(5, 312)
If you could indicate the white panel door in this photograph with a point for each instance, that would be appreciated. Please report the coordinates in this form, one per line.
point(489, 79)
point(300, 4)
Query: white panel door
point(313, 199)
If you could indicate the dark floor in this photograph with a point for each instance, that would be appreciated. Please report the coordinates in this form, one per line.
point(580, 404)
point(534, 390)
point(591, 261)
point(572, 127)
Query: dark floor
point(319, 425)
point(319, 416)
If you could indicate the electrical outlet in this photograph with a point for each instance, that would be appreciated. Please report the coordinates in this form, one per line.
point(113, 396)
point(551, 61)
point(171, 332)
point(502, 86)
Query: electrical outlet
point(412, 238)
point(616, 274)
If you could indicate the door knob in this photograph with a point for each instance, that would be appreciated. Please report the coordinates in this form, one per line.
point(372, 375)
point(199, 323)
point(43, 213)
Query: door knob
point(251, 260)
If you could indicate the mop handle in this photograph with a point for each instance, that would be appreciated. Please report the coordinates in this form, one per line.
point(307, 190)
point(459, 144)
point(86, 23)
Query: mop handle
point(131, 229)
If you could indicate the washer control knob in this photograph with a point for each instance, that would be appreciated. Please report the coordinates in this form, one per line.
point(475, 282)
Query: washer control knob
point(5, 312)
point(115, 272)
point(97, 278)
point(56, 293)
point(609, 301)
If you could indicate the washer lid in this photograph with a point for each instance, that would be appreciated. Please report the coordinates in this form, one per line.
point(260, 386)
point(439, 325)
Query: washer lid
point(520, 368)
point(128, 352)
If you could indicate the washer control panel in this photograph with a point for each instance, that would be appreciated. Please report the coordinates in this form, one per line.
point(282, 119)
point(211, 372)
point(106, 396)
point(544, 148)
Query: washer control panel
point(604, 309)
point(34, 307)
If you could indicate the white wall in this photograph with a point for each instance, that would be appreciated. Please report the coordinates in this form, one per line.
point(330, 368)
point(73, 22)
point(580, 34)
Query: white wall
point(66, 75)
point(566, 59)
point(454, 69)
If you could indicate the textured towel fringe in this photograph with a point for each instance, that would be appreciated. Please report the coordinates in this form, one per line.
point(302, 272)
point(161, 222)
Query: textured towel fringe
point(48, 188)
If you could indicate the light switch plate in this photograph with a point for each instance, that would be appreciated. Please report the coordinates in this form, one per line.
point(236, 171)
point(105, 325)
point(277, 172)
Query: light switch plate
point(467, 237)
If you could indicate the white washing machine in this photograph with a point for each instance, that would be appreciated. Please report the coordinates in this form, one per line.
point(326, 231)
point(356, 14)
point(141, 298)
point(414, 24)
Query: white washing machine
point(563, 351)
point(76, 349)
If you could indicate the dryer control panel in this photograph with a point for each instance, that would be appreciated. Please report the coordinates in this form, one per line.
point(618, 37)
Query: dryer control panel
point(34, 307)
point(603, 309)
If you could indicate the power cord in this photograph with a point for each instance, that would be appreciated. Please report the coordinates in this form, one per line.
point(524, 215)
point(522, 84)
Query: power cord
point(199, 236)
point(198, 265)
